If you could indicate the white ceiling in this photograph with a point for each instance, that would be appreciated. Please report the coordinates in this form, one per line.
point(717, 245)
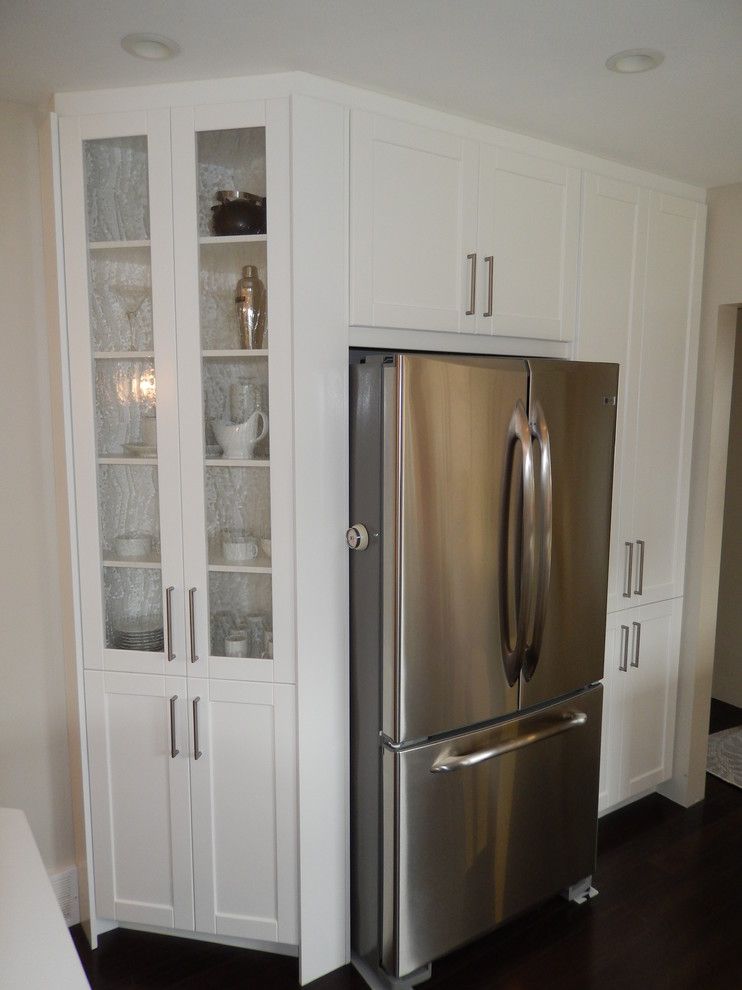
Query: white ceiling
point(534, 66)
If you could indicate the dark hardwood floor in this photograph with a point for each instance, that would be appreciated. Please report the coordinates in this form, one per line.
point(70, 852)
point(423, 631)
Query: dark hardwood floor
point(668, 915)
point(723, 716)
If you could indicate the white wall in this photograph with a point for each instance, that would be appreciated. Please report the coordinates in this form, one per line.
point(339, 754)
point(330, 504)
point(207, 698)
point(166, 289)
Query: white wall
point(34, 771)
point(727, 683)
point(722, 293)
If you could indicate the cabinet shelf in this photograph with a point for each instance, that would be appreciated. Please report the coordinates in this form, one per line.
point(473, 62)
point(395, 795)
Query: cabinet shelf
point(231, 462)
point(149, 562)
point(123, 355)
point(234, 239)
point(260, 565)
point(116, 245)
point(236, 353)
point(127, 460)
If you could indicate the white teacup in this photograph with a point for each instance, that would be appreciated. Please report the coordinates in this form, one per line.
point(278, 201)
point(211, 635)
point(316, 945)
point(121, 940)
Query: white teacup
point(238, 546)
point(235, 645)
point(133, 544)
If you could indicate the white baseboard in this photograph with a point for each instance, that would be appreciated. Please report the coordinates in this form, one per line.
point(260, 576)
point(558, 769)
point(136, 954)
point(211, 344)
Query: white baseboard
point(65, 888)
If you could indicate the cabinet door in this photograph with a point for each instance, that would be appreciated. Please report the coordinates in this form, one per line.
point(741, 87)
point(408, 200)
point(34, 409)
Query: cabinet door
point(650, 693)
point(140, 799)
point(412, 224)
point(614, 231)
point(235, 390)
point(244, 809)
point(121, 318)
point(528, 226)
point(664, 366)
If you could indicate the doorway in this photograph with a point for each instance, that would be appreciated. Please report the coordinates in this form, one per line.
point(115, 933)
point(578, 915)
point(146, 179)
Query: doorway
point(725, 721)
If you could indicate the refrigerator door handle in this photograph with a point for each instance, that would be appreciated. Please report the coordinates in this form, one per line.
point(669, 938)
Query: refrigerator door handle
point(546, 728)
point(519, 432)
point(540, 433)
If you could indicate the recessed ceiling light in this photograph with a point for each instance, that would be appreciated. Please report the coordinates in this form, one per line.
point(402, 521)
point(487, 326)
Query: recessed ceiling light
point(151, 46)
point(635, 60)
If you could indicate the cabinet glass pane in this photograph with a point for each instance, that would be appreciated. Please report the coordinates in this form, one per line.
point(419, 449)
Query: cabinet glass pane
point(233, 287)
point(125, 390)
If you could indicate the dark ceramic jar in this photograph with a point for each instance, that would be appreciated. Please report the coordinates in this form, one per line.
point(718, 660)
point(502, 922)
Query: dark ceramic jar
point(238, 213)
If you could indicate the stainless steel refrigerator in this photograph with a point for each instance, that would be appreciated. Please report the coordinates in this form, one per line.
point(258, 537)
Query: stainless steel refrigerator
point(480, 504)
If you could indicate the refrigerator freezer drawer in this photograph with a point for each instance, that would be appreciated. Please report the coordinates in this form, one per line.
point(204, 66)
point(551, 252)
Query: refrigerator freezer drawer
point(486, 824)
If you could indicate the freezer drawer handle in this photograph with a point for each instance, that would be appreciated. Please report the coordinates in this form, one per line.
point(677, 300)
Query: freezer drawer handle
point(547, 728)
point(540, 434)
point(519, 432)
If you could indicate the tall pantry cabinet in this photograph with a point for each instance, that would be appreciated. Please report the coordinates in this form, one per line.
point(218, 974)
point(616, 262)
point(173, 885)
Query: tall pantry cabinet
point(185, 543)
point(640, 287)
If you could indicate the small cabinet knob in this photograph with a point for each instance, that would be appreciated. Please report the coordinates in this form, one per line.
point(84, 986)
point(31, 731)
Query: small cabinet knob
point(357, 537)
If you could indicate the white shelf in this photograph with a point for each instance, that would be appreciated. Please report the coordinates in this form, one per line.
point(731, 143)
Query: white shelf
point(127, 460)
point(261, 565)
point(234, 239)
point(123, 355)
point(227, 462)
point(116, 245)
point(133, 562)
point(234, 353)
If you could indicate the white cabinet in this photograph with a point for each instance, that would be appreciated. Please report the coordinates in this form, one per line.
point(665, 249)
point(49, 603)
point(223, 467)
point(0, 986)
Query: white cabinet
point(413, 222)
point(448, 234)
point(138, 754)
point(183, 479)
point(642, 260)
point(243, 785)
point(527, 245)
point(641, 668)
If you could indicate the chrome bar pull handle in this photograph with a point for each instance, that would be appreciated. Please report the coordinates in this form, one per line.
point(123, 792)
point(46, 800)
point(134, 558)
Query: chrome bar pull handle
point(173, 746)
point(472, 258)
point(540, 435)
point(192, 622)
point(196, 749)
point(623, 663)
point(640, 569)
point(636, 640)
point(519, 433)
point(449, 762)
point(169, 621)
point(629, 565)
point(490, 262)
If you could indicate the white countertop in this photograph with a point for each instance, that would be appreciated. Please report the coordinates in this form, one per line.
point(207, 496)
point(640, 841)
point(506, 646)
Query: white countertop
point(36, 951)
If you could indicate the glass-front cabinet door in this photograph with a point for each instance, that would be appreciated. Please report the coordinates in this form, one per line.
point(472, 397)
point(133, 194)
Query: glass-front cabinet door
point(121, 308)
point(230, 190)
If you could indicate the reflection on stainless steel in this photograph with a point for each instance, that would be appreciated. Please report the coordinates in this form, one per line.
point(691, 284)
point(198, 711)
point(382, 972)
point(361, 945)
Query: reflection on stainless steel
point(453, 429)
point(477, 636)
point(477, 846)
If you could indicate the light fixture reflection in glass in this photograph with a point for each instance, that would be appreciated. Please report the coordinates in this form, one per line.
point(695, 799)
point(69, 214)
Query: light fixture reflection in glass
point(142, 389)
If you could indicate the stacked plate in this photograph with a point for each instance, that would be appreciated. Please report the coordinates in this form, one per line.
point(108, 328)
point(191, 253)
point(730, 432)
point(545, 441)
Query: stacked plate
point(139, 634)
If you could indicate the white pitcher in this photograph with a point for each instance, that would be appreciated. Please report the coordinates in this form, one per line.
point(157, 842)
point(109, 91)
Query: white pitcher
point(238, 440)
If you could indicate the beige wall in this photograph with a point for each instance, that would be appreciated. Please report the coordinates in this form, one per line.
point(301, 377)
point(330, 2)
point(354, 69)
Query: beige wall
point(34, 771)
point(727, 683)
point(722, 293)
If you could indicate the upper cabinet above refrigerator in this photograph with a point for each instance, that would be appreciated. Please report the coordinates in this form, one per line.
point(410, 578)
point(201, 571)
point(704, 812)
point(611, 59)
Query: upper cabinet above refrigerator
point(450, 235)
